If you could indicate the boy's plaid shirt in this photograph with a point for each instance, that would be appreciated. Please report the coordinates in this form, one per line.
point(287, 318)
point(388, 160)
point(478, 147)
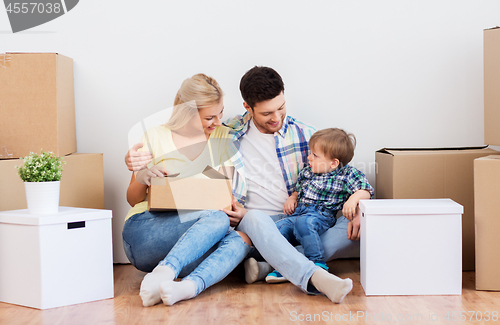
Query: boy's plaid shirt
point(291, 147)
point(330, 190)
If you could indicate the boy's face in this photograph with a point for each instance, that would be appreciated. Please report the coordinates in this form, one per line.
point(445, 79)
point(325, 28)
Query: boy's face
point(268, 115)
point(319, 163)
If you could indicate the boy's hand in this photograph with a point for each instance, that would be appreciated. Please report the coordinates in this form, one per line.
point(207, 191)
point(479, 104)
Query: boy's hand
point(351, 205)
point(349, 209)
point(236, 214)
point(290, 205)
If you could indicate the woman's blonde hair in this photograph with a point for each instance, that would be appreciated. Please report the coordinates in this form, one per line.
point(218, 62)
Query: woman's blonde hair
point(197, 92)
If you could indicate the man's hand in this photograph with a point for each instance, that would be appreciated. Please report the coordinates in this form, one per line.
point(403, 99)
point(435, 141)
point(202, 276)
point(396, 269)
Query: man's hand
point(353, 227)
point(144, 176)
point(290, 205)
point(137, 160)
point(236, 214)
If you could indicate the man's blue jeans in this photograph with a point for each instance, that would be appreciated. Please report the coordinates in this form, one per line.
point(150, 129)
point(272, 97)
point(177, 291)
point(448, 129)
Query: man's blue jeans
point(285, 258)
point(200, 249)
point(305, 226)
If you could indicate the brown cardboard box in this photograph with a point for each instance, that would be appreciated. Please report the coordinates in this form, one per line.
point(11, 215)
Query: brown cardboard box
point(82, 183)
point(37, 106)
point(170, 193)
point(433, 173)
point(492, 86)
point(487, 220)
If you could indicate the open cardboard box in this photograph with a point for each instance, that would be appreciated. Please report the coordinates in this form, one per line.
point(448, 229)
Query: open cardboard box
point(408, 173)
point(176, 193)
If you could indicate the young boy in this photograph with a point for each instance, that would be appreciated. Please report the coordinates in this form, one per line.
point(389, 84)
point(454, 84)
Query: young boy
point(323, 188)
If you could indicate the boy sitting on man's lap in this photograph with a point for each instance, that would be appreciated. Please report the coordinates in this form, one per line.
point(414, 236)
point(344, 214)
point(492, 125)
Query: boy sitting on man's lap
point(323, 188)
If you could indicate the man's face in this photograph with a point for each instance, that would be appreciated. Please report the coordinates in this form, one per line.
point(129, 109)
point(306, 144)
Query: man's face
point(268, 115)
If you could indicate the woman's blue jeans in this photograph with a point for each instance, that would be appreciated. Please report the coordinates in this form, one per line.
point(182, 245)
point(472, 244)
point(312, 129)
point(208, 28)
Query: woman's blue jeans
point(200, 249)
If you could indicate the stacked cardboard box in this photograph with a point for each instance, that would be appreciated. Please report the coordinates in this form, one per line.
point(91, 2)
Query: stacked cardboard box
point(487, 173)
point(487, 222)
point(492, 86)
point(37, 111)
point(82, 183)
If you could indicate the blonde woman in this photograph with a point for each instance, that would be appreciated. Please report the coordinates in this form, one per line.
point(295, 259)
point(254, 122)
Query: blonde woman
point(199, 246)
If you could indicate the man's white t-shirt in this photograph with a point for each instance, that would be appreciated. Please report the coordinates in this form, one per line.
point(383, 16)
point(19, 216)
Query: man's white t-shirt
point(266, 186)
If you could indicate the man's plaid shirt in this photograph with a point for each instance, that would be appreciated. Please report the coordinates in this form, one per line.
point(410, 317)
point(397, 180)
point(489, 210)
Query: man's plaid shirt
point(291, 147)
point(330, 190)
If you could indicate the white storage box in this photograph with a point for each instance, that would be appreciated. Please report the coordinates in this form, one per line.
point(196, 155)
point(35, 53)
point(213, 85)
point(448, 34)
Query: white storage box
point(55, 260)
point(411, 247)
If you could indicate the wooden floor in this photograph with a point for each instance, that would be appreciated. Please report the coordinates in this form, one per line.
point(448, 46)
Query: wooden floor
point(234, 302)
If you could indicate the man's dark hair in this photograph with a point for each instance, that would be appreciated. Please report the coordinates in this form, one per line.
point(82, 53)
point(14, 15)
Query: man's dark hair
point(260, 84)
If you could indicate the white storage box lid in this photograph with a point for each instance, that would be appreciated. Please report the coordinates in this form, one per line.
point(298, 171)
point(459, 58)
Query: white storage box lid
point(410, 206)
point(65, 215)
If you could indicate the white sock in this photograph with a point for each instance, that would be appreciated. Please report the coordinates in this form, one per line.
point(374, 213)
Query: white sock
point(174, 291)
point(331, 285)
point(150, 286)
point(256, 271)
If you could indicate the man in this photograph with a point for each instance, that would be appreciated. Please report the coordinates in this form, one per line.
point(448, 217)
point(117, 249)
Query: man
point(269, 150)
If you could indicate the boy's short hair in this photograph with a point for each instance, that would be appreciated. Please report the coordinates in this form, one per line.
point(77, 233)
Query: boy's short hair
point(260, 84)
point(335, 144)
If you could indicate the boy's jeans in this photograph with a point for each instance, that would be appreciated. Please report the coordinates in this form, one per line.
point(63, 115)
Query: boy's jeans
point(200, 248)
point(305, 226)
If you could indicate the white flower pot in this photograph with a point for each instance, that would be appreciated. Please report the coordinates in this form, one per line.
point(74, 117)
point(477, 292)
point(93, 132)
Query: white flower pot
point(42, 197)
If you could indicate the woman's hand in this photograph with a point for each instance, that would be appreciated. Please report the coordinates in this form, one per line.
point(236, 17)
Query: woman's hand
point(144, 176)
point(137, 160)
point(236, 214)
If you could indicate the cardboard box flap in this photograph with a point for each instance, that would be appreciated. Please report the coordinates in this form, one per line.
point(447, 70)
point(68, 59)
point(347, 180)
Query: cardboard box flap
point(213, 174)
point(410, 207)
point(419, 151)
point(208, 172)
point(494, 157)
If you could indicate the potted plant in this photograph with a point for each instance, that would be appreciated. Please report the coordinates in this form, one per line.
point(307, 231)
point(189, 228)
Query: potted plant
point(41, 175)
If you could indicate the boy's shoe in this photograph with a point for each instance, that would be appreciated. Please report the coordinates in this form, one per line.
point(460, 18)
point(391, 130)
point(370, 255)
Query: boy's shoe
point(322, 265)
point(275, 277)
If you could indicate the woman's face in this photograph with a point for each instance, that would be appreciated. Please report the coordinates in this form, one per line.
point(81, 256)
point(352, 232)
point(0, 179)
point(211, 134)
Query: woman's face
point(211, 117)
